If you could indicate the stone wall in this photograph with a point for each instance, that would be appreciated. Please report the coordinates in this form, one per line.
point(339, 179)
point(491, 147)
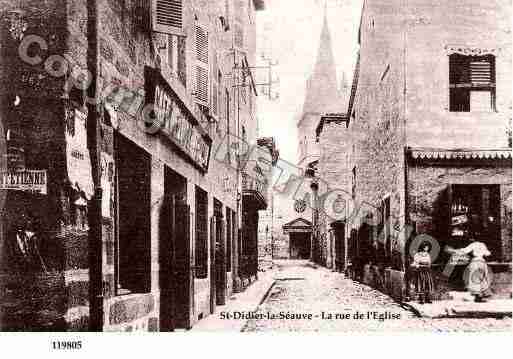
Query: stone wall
point(378, 122)
point(56, 296)
point(431, 27)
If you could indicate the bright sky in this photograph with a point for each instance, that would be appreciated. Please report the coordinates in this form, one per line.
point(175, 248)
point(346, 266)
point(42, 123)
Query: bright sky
point(288, 31)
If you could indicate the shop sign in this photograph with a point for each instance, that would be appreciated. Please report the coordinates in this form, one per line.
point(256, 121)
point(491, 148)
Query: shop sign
point(26, 180)
point(77, 155)
point(179, 125)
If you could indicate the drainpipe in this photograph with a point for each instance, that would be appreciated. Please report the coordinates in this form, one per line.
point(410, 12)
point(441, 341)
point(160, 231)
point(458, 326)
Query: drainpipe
point(93, 144)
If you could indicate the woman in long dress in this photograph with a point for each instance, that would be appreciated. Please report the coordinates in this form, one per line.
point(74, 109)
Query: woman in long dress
point(477, 275)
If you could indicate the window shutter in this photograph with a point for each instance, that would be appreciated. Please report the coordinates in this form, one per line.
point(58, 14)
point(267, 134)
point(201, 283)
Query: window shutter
point(202, 69)
point(215, 86)
point(238, 28)
point(238, 36)
point(459, 73)
point(481, 72)
point(469, 70)
point(167, 16)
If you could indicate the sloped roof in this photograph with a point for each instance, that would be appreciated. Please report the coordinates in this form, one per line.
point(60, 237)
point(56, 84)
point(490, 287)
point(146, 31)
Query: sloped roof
point(298, 222)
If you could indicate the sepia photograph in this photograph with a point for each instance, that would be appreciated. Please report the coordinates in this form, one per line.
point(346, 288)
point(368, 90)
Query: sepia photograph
point(255, 166)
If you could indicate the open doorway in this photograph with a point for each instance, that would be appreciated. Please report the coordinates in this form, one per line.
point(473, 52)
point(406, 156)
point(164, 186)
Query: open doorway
point(175, 255)
point(220, 254)
point(133, 270)
point(299, 245)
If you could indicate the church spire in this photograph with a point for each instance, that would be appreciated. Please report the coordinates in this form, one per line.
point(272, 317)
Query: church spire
point(322, 89)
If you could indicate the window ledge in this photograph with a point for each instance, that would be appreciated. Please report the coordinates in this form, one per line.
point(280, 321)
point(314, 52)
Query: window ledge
point(471, 113)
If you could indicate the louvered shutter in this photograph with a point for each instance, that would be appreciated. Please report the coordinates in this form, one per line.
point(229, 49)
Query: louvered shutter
point(202, 70)
point(481, 71)
point(238, 36)
point(215, 86)
point(459, 73)
point(167, 16)
point(471, 71)
point(238, 28)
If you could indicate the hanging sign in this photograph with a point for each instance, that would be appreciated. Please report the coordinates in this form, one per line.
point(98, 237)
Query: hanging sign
point(26, 180)
point(179, 125)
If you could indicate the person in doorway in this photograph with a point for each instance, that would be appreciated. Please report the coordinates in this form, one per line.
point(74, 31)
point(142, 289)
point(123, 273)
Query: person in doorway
point(22, 247)
point(422, 276)
point(477, 274)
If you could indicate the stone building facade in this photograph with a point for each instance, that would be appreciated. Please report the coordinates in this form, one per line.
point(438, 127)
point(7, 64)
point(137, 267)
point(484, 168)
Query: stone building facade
point(125, 107)
point(428, 118)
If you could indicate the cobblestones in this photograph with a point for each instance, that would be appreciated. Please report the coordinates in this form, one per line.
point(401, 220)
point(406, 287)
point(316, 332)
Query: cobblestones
point(303, 289)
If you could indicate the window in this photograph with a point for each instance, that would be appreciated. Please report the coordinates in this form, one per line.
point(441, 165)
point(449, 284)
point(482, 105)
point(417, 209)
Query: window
point(471, 83)
point(201, 238)
point(181, 63)
point(238, 36)
point(172, 53)
point(244, 136)
point(167, 16)
point(202, 63)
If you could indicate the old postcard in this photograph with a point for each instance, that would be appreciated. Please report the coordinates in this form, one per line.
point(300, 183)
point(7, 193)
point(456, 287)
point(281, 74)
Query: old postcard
point(255, 166)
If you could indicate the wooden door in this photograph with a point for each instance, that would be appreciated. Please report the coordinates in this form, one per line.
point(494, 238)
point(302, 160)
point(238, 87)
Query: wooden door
point(183, 274)
point(212, 271)
point(220, 263)
point(166, 262)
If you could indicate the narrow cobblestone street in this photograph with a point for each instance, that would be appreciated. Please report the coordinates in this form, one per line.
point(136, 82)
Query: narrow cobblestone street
point(303, 289)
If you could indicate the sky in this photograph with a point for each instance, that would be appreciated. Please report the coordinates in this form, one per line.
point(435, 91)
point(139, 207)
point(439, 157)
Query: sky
point(288, 32)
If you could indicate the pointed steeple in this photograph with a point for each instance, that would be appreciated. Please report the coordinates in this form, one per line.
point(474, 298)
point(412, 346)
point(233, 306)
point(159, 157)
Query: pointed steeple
point(322, 90)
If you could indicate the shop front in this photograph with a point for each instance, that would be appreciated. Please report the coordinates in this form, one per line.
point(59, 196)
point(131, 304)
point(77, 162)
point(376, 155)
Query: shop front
point(460, 197)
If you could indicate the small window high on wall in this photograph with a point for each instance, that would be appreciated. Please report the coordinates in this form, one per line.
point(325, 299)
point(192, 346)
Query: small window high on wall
point(472, 83)
point(167, 16)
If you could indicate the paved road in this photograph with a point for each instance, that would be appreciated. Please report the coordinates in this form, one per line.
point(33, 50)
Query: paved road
point(303, 290)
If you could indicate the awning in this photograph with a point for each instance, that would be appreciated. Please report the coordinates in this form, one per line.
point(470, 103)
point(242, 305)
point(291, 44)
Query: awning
point(460, 154)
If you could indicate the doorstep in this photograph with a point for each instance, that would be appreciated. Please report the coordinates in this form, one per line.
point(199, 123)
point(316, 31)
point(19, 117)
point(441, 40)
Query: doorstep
point(495, 308)
point(246, 302)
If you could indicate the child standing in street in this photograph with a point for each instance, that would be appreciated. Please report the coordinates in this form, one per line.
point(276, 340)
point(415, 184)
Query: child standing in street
point(423, 279)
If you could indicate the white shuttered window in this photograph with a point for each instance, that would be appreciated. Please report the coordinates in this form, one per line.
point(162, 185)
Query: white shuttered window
point(202, 66)
point(167, 16)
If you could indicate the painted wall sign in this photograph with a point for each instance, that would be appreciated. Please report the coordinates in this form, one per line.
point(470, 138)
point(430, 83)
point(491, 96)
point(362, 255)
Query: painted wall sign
point(26, 180)
point(179, 124)
point(77, 154)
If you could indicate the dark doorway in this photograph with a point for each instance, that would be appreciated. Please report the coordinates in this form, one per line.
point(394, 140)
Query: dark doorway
point(299, 245)
point(175, 255)
point(340, 248)
point(220, 254)
point(134, 230)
